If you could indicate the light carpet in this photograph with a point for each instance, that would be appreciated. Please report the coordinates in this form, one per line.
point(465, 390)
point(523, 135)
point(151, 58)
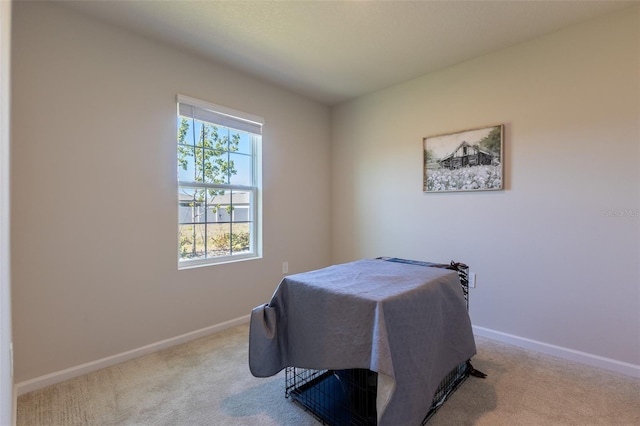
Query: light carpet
point(207, 382)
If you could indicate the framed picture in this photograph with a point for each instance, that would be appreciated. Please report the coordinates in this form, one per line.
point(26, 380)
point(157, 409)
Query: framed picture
point(470, 160)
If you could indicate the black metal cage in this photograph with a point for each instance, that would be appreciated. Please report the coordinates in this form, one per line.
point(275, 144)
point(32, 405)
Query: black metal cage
point(348, 397)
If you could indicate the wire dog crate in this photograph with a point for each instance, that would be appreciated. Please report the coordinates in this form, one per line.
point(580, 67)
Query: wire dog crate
point(348, 397)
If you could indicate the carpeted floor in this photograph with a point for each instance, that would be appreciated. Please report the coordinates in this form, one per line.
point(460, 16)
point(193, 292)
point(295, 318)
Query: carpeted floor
point(207, 382)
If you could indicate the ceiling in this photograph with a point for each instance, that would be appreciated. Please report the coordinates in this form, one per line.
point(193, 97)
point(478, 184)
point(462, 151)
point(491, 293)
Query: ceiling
point(333, 51)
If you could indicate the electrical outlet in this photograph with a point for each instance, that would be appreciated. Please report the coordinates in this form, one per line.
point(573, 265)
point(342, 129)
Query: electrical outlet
point(285, 267)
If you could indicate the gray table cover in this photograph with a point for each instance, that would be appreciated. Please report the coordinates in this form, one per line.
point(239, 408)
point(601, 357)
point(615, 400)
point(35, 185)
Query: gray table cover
point(407, 322)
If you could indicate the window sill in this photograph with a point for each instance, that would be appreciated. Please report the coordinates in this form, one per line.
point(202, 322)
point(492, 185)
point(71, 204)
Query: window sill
point(192, 264)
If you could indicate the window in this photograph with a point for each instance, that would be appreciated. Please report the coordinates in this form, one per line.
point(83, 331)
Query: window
point(218, 183)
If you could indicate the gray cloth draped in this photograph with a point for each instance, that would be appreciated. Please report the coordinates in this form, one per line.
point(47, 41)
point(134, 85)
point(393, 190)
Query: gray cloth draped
point(407, 322)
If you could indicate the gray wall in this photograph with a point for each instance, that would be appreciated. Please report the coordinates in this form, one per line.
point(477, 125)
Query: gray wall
point(94, 214)
point(552, 264)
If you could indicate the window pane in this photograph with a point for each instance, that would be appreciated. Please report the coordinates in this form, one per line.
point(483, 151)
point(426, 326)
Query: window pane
point(241, 213)
point(185, 131)
point(232, 139)
point(215, 165)
point(191, 241)
point(223, 140)
point(244, 143)
point(185, 194)
point(200, 133)
point(218, 213)
point(185, 213)
point(241, 166)
point(212, 214)
point(241, 238)
point(218, 240)
point(241, 208)
point(218, 204)
point(186, 164)
point(191, 205)
point(197, 212)
point(214, 137)
point(186, 249)
point(199, 165)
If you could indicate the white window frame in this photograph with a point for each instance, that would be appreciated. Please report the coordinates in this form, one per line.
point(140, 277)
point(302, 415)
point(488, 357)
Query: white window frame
point(222, 116)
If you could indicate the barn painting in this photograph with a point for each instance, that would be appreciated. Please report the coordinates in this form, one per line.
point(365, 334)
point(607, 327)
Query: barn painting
point(470, 160)
point(466, 155)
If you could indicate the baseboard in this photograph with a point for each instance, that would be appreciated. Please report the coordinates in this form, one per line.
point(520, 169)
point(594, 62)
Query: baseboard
point(625, 368)
point(21, 388)
point(70, 373)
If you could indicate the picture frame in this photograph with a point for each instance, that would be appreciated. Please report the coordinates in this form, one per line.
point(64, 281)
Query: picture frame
point(468, 160)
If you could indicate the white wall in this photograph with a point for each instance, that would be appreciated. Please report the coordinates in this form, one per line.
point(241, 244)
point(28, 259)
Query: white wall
point(93, 119)
point(552, 267)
